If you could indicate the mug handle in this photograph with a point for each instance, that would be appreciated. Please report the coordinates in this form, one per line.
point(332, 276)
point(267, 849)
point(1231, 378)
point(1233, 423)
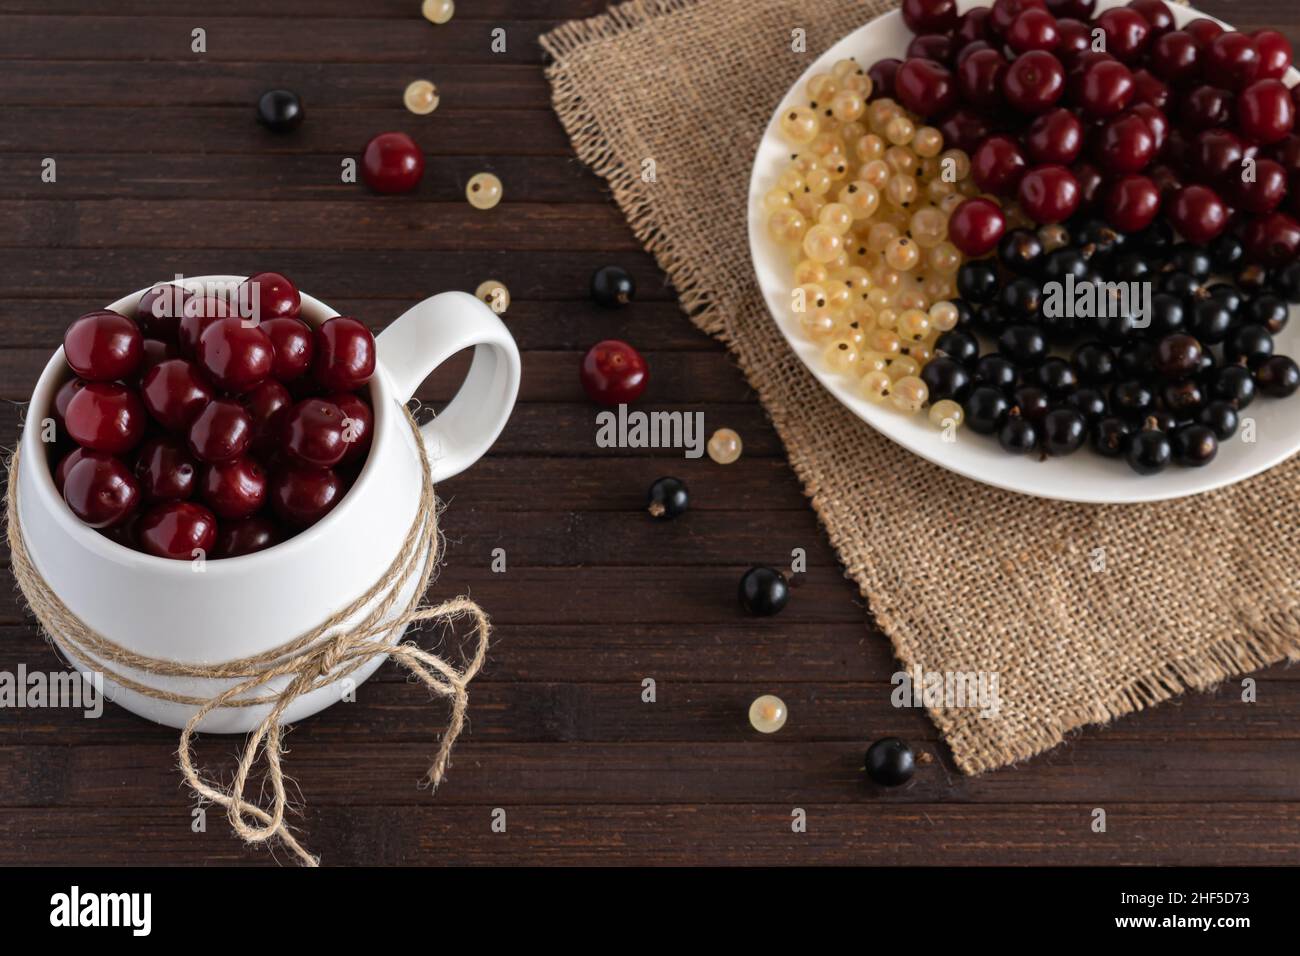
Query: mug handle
point(424, 337)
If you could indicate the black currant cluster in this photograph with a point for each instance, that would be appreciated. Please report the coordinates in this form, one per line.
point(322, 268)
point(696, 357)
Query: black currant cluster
point(1170, 390)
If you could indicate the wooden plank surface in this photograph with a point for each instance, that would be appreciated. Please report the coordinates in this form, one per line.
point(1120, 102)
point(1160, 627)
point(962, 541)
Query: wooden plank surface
point(161, 169)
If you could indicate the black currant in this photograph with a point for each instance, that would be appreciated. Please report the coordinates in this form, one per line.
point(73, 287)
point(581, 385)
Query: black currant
point(1134, 360)
point(1227, 253)
point(977, 281)
point(1279, 377)
point(1177, 356)
point(1221, 417)
point(1229, 295)
point(1211, 320)
point(1098, 240)
point(1156, 239)
point(1193, 260)
point(1233, 384)
point(1090, 402)
point(1094, 362)
point(763, 591)
point(985, 408)
point(945, 377)
point(280, 110)
point(1270, 311)
point(1149, 452)
point(996, 370)
point(1064, 431)
point(1110, 436)
point(991, 320)
point(1129, 267)
point(668, 498)
point(1114, 327)
point(890, 762)
point(1195, 445)
point(1021, 297)
point(1056, 375)
point(1021, 251)
point(1167, 314)
point(1287, 282)
point(1132, 398)
point(965, 314)
point(1032, 402)
point(1063, 262)
point(1252, 278)
point(612, 286)
point(1250, 342)
point(1182, 284)
point(1023, 344)
point(1183, 399)
point(1018, 435)
point(958, 345)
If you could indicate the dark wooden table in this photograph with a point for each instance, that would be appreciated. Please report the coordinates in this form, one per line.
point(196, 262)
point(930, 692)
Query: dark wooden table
point(161, 169)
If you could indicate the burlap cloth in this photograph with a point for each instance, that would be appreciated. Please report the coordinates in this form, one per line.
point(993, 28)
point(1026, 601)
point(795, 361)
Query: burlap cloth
point(962, 577)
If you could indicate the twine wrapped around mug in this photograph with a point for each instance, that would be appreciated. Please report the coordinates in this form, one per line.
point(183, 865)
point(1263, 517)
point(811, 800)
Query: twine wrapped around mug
point(318, 658)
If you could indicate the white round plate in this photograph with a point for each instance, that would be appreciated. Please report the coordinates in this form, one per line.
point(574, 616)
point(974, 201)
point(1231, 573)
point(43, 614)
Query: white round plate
point(1084, 477)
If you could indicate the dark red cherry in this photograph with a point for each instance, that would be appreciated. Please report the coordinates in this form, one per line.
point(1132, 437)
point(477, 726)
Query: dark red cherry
point(930, 16)
point(1204, 31)
point(1272, 240)
point(1055, 137)
point(1034, 82)
point(344, 354)
point(974, 25)
point(976, 226)
point(1033, 29)
point(1274, 54)
point(1206, 107)
point(234, 489)
point(358, 423)
point(180, 530)
point(969, 50)
point(882, 75)
point(1156, 121)
point(165, 469)
point(392, 163)
point(979, 78)
point(1156, 13)
point(925, 87)
point(103, 346)
point(155, 352)
point(1166, 179)
point(1090, 181)
point(1176, 58)
point(1262, 194)
point(302, 496)
point(1217, 155)
point(174, 392)
point(107, 417)
point(200, 312)
point(1127, 33)
point(930, 46)
point(965, 129)
point(1126, 145)
point(1079, 9)
point(64, 396)
point(313, 433)
point(246, 536)
point(291, 340)
point(1005, 12)
point(613, 373)
point(100, 490)
point(235, 356)
point(1074, 39)
point(1105, 88)
point(269, 295)
point(998, 165)
point(1049, 194)
point(1198, 214)
point(160, 310)
point(1132, 203)
point(221, 431)
point(1265, 112)
point(1232, 61)
point(267, 405)
point(1149, 90)
point(67, 461)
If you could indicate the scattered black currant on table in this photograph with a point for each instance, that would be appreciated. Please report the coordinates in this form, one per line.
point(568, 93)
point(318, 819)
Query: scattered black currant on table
point(763, 591)
point(1168, 391)
point(668, 498)
point(280, 110)
point(612, 286)
point(890, 762)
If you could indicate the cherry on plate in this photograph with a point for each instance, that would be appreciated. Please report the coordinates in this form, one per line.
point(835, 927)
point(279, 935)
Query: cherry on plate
point(103, 346)
point(344, 356)
point(1275, 54)
point(221, 431)
point(271, 296)
point(246, 536)
point(1204, 31)
point(313, 434)
point(155, 352)
point(1033, 29)
point(613, 373)
point(235, 488)
point(100, 490)
point(1132, 203)
point(998, 165)
point(291, 340)
point(1127, 33)
point(302, 496)
point(1175, 57)
point(200, 312)
point(1105, 88)
point(1272, 240)
point(1126, 145)
point(63, 396)
point(107, 417)
point(160, 310)
point(930, 16)
point(235, 356)
point(1034, 82)
point(67, 461)
point(1232, 61)
point(1198, 214)
point(392, 163)
point(925, 87)
point(165, 469)
point(267, 406)
point(976, 226)
point(174, 392)
point(1048, 194)
point(180, 530)
point(1265, 112)
point(1004, 13)
point(979, 77)
point(1055, 137)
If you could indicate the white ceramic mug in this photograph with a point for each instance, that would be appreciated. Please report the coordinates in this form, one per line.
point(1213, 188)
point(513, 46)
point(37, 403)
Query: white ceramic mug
point(237, 607)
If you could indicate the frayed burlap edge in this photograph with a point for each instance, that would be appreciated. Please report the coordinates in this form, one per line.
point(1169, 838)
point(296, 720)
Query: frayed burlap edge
point(1252, 645)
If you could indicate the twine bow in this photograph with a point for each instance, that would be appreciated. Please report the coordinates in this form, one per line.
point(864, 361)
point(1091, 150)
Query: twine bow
point(328, 653)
